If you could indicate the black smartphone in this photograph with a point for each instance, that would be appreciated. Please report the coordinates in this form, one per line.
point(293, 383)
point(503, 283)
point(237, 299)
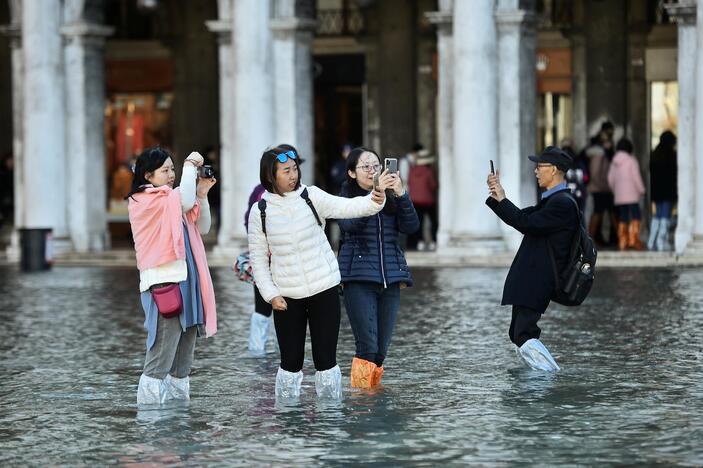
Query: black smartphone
point(391, 164)
point(493, 169)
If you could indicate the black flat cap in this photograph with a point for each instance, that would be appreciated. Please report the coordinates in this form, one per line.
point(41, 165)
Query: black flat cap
point(556, 156)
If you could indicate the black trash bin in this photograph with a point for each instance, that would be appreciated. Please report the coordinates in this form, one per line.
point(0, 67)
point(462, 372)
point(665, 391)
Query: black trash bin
point(36, 249)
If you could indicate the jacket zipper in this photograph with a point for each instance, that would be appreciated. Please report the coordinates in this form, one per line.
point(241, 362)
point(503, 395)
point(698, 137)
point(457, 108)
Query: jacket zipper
point(380, 248)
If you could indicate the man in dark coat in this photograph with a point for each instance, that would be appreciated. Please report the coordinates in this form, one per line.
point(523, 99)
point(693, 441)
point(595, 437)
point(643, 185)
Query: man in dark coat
point(531, 279)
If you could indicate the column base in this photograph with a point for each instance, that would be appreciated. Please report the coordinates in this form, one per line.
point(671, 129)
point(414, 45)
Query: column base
point(694, 247)
point(472, 245)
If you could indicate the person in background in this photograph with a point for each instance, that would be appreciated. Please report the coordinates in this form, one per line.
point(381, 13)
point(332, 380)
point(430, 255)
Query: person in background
point(373, 266)
point(167, 225)
point(625, 180)
point(408, 160)
point(663, 190)
point(296, 270)
point(338, 170)
point(423, 185)
point(598, 166)
point(577, 176)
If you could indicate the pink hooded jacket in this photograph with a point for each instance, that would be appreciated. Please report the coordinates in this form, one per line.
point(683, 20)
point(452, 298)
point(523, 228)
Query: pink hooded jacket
point(625, 179)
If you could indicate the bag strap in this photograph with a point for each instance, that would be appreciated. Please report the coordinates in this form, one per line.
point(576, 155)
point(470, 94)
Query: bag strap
point(574, 242)
point(306, 197)
point(262, 209)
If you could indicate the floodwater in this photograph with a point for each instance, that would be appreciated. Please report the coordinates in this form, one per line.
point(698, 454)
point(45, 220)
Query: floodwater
point(630, 390)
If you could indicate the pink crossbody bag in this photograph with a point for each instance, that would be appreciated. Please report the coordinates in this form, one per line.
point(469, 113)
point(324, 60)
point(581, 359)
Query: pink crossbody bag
point(168, 299)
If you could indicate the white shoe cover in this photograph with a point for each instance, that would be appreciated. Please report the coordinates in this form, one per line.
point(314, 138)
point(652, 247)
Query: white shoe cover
point(288, 383)
point(176, 389)
point(258, 332)
point(537, 356)
point(151, 391)
point(328, 383)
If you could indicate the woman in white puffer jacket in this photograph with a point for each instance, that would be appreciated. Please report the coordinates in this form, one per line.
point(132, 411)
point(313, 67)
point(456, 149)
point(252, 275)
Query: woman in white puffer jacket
point(296, 270)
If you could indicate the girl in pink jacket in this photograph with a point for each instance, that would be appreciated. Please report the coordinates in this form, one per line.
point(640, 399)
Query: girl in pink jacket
point(626, 183)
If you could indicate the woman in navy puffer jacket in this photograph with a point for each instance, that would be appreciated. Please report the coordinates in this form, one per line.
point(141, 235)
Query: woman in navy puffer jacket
point(373, 266)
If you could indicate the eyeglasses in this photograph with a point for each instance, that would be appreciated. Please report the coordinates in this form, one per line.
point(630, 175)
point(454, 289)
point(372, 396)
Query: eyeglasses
point(367, 168)
point(283, 157)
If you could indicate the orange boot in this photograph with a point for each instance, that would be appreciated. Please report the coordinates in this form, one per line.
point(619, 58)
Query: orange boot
point(633, 235)
point(622, 235)
point(377, 374)
point(362, 373)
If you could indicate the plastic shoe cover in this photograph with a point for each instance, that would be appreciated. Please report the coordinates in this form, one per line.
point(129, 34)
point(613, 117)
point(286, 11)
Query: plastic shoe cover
point(328, 383)
point(537, 356)
point(258, 331)
point(176, 389)
point(362, 373)
point(376, 377)
point(151, 391)
point(654, 228)
point(288, 383)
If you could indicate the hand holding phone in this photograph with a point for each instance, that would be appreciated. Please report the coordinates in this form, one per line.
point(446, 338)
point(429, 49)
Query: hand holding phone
point(376, 177)
point(391, 164)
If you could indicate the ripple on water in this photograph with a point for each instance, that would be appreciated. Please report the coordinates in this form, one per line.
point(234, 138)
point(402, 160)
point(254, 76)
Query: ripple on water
point(454, 390)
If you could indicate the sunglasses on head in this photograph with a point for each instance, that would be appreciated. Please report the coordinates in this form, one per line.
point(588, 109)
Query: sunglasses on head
point(283, 157)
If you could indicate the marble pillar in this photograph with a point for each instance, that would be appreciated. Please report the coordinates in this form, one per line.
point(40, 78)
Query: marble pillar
point(84, 67)
point(516, 106)
point(252, 116)
point(293, 82)
point(222, 27)
point(684, 13)
point(445, 119)
point(697, 167)
point(475, 134)
point(44, 149)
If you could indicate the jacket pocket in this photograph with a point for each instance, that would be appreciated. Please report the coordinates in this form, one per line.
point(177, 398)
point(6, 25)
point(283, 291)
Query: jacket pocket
point(400, 258)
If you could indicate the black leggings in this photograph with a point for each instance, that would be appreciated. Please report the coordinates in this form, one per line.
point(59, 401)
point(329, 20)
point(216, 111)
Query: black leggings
point(322, 312)
point(523, 326)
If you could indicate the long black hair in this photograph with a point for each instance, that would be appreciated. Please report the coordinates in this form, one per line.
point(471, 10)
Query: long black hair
point(150, 160)
point(351, 188)
point(268, 166)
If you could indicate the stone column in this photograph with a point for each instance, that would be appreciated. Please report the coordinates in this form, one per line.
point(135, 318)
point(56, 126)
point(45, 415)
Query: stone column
point(222, 27)
point(44, 121)
point(85, 143)
point(293, 84)
point(697, 244)
point(474, 227)
point(445, 119)
point(684, 13)
point(516, 106)
point(14, 31)
point(252, 116)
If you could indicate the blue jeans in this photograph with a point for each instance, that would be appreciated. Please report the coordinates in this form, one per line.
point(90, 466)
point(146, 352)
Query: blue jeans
point(372, 311)
point(664, 209)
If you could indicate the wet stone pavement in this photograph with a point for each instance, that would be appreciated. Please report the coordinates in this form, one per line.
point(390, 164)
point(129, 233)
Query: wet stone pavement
point(630, 391)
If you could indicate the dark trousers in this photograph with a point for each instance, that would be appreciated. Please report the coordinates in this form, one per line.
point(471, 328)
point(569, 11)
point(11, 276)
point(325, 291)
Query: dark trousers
point(322, 313)
point(417, 236)
point(372, 310)
point(260, 305)
point(523, 325)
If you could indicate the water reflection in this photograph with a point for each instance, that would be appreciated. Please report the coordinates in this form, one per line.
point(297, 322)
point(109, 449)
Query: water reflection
point(454, 390)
